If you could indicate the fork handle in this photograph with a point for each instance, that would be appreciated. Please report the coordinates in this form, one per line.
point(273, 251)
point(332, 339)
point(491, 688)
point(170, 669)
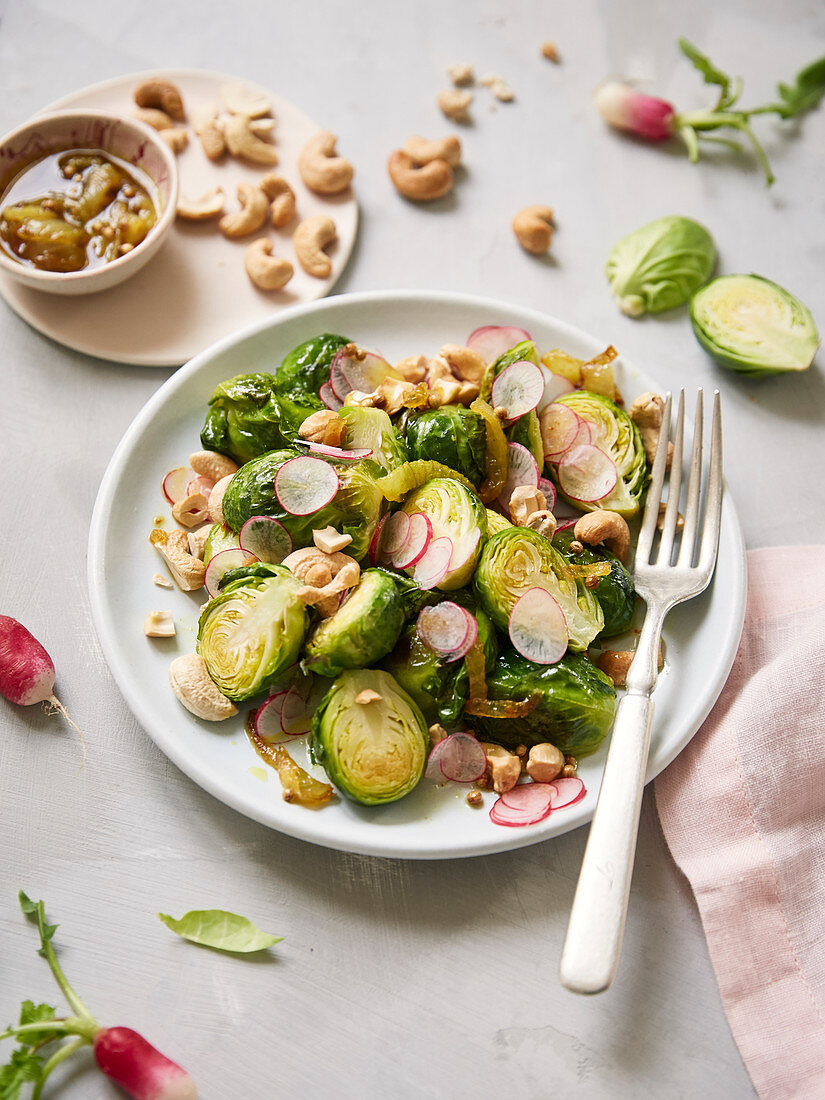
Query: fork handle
point(594, 934)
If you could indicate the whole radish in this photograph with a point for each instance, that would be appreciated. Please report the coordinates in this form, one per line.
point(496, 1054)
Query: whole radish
point(128, 1060)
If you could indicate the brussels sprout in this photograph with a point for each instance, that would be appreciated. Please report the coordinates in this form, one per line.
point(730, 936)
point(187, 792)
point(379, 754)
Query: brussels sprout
point(516, 560)
point(252, 631)
point(219, 538)
point(527, 432)
point(496, 522)
point(454, 511)
point(244, 418)
point(613, 432)
point(300, 377)
point(413, 598)
point(753, 326)
point(660, 265)
point(374, 752)
point(575, 710)
point(363, 630)
point(451, 435)
point(615, 592)
point(440, 688)
point(355, 509)
point(373, 429)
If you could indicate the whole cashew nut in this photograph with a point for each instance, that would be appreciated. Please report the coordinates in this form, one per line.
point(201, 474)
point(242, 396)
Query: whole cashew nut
point(420, 184)
point(212, 465)
point(251, 216)
point(194, 687)
point(158, 120)
point(212, 138)
point(281, 197)
point(202, 209)
point(336, 572)
point(607, 527)
point(309, 240)
point(321, 170)
point(162, 94)
point(423, 151)
point(240, 100)
point(464, 362)
point(265, 270)
point(242, 142)
point(216, 498)
point(533, 227)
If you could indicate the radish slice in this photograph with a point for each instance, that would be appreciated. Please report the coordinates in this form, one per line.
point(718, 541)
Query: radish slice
point(268, 718)
point(395, 534)
point(522, 469)
point(559, 425)
point(518, 388)
point(337, 452)
point(549, 490)
point(526, 804)
point(585, 473)
point(419, 537)
point(569, 790)
point(304, 485)
point(366, 374)
point(433, 769)
point(446, 629)
point(462, 758)
point(538, 628)
point(337, 379)
point(175, 482)
point(296, 714)
point(330, 398)
point(434, 566)
point(266, 538)
point(199, 485)
point(222, 563)
point(491, 341)
point(554, 386)
point(566, 524)
point(375, 548)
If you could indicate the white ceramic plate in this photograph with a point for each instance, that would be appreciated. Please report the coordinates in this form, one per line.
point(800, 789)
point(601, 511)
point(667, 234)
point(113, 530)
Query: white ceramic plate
point(701, 637)
point(195, 291)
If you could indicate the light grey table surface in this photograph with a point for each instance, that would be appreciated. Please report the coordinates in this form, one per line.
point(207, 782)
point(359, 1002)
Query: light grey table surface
point(399, 979)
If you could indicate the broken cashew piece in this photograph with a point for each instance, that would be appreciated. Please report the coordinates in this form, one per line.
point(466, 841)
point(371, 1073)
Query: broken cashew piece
point(209, 205)
point(454, 104)
point(212, 465)
point(281, 198)
point(159, 624)
point(647, 413)
point(329, 540)
point(324, 426)
point(533, 227)
point(177, 138)
point(194, 687)
point(251, 216)
point(423, 183)
point(309, 240)
point(607, 527)
point(543, 521)
point(503, 767)
point(162, 94)
point(615, 663)
point(423, 151)
point(191, 510)
point(367, 696)
point(158, 120)
point(321, 170)
point(242, 142)
point(240, 100)
point(266, 271)
point(173, 546)
point(325, 577)
point(524, 501)
point(465, 363)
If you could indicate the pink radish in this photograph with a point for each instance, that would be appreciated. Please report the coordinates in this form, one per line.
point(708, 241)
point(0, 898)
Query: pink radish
point(626, 109)
point(447, 629)
point(548, 489)
point(283, 716)
point(266, 539)
point(27, 671)
point(304, 485)
point(329, 397)
point(461, 758)
point(538, 628)
point(434, 566)
point(339, 452)
point(203, 485)
point(174, 483)
point(375, 547)
point(221, 563)
point(433, 769)
point(569, 790)
point(141, 1070)
point(368, 373)
point(337, 379)
point(586, 473)
point(555, 385)
point(522, 469)
point(559, 426)
point(395, 534)
point(526, 804)
point(491, 341)
point(566, 524)
point(419, 537)
point(518, 389)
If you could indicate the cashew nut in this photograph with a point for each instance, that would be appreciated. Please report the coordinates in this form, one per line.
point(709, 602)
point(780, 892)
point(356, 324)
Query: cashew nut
point(159, 624)
point(262, 127)
point(455, 104)
point(309, 241)
point(647, 413)
point(660, 518)
point(321, 170)
point(177, 138)
point(524, 501)
point(329, 540)
point(173, 547)
point(549, 50)
point(543, 522)
point(545, 762)
point(607, 527)
point(326, 577)
point(503, 768)
point(423, 151)
point(212, 464)
point(163, 94)
point(216, 498)
point(533, 227)
point(194, 687)
point(161, 581)
point(615, 663)
point(460, 72)
point(251, 216)
point(413, 368)
point(240, 100)
point(209, 205)
point(281, 197)
point(324, 426)
point(420, 184)
point(212, 138)
point(265, 270)
point(197, 540)
point(158, 120)
point(465, 363)
point(444, 391)
point(191, 510)
point(242, 142)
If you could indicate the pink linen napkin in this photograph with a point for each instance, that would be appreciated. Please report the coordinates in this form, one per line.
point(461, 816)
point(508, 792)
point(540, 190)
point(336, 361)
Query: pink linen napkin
point(743, 812)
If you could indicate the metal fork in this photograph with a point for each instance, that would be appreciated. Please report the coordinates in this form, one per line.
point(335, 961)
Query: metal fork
point(594, 934)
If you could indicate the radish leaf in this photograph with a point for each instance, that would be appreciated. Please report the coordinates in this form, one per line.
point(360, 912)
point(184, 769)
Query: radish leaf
point(220, 929)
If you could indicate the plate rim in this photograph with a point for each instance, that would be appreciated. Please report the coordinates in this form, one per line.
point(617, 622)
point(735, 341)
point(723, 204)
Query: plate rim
point(513, 839)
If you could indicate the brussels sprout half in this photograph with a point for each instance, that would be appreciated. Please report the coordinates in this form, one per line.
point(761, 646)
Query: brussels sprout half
point(612, 431)
point(527, 431)
point(218, 539)
point(300, 377)
point(615, 592)
point(373, 430)
point(516, 560)
point(754, 326)
point(452, 435)
point(457, 513)
point(363, 630)
point(252, 631)
point(374, 752)
point(244, 418)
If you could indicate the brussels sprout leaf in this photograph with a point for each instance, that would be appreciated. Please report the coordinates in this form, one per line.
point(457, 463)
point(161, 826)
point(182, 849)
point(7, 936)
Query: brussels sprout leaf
point(220, 929)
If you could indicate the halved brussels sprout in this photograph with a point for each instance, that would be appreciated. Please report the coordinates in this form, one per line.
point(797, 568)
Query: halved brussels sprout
point(252, 631)
point(615, 592)
point(575, 710)
point(527, 432)
point(244, 418)
point(300, 377)
point(373, 429)
point(754, 326)
point(612, 431)
point(355, 509)
point(363, 629)
point(516, 560)
point(451, 435)
point(374, 751)
point(219, 538)
point(457, 513)
point(496, 522)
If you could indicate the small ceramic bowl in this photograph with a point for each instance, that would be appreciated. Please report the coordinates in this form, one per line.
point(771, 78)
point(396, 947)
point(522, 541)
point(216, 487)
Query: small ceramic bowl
point(126, 138)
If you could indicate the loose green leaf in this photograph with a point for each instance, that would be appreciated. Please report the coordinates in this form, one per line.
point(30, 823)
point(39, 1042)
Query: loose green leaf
point(220, 929)
point(22, 1068)
point(26, 904)
point(728, 92)
point(805, 93)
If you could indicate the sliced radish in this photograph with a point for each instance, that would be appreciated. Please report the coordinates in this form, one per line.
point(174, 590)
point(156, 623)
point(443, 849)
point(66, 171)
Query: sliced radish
point(375, 547)
point(538, 628)
point(268, 722)
point(548, 489)
point(585, 473)
point(338, 452)
point(175, 482)
point(526, 804)
point(559, 425)
point(491, 341)
point(266, 538)
point(518, 388)
point(566, 524)
point(395, 534)
point(522, 469)
point(337, 379)
point(419, 537)
point(554, 386)
point(330, 398)
point(434, 566)
point(433, 769)
point(462, 758)
point(447, 629)
point(304, 485)
point(199, 485)
point(296, 714)
point(368, 373)
point(222, 563)
point(570, 789)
